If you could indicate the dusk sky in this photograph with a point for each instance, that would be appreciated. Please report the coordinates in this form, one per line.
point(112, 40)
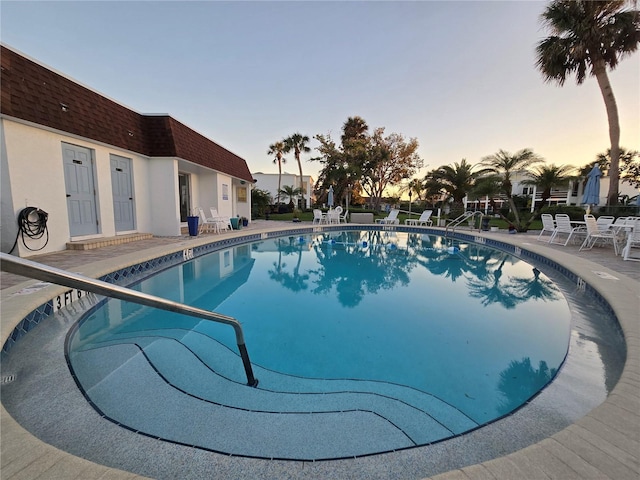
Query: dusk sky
point(458, 76)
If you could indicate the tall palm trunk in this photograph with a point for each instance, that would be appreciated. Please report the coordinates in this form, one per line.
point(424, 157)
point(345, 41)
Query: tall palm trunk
point(279, 178)
point(297, 155)
point(614, 129)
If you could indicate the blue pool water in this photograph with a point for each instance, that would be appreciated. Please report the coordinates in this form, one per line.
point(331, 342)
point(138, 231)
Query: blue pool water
point(416, 337)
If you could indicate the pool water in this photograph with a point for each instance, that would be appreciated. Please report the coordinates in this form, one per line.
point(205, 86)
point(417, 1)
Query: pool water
point(417, 334)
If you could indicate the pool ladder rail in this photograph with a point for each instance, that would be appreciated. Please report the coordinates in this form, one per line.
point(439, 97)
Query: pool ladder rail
point(465, 217)
point(38, 271)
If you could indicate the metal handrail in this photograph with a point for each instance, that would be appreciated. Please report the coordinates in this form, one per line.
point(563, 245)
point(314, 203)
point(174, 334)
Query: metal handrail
point(27, 268)
point(457, 221)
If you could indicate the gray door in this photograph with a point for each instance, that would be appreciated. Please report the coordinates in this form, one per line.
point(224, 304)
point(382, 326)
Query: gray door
point(81, 195)
point(121, 188)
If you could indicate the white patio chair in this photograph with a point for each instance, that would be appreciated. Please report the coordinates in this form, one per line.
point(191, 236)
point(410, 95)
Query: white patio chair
point(344, 217)
point(564, 227)
point(594, 234)
point(604, 222)
point(548, 225)
point(223, 221)
point(207, 224)
point(425, 219)
point(633, 240)
point(318, 216)
point(333, 215)
point(392, 218)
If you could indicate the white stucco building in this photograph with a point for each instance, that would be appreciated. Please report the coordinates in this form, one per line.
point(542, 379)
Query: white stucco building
point(269, 183)
point(98, 168)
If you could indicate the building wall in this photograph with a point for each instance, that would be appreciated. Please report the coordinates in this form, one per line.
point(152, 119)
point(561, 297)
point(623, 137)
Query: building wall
point(269, 183)
point(33, 175)
point(33, 170)
point(164, 202)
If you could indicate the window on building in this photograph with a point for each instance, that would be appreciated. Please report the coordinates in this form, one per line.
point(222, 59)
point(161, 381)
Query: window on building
point(527, 190)
point(242, 194)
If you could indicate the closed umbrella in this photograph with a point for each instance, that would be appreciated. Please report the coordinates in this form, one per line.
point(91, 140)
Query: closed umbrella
point(330, 197)
point(591, 194)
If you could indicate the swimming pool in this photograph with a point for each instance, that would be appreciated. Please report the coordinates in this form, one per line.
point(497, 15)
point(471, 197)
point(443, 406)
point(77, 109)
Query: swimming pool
point(363, 341)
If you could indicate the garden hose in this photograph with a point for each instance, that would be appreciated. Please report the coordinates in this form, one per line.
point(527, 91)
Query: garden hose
point(32, 223)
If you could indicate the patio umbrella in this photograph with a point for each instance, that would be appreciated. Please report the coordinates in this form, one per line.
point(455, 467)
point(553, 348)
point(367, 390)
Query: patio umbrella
point(330, 197)
point(591, 194)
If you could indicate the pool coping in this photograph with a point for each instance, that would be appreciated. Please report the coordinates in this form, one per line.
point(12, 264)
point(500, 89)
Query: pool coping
point(600, 445)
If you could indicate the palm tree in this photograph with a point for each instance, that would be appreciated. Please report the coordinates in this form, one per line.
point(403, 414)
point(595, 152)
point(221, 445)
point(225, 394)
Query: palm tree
point(548, 177)
point(595, 35)
point(290, 192)
point(298, 143)
point(505, 165)
point(278, 149)
point(456, 180)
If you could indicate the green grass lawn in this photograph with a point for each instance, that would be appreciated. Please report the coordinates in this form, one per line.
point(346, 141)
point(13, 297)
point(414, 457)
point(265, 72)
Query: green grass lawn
point(308, 217)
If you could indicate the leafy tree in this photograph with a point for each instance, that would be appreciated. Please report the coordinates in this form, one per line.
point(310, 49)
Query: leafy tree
point(260, 199)
point(278, 149)
point(590, 35)
point(298, 143)
point(389, 160)
point(367, 162)
point(504, 165)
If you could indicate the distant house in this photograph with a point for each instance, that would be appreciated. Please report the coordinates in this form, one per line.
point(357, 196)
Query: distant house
point(98, 168)
point(571, 195)
point(269, 183)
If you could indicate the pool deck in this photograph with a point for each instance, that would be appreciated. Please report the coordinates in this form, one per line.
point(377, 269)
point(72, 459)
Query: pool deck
point(604, 444)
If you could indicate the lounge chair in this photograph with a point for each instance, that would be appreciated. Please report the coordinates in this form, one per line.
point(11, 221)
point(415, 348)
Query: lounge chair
point(425, 219)
point(224, 222)
point(207, 224)
point(548, 224)
point(392, 218)
point(564, 227)
point(594, 234)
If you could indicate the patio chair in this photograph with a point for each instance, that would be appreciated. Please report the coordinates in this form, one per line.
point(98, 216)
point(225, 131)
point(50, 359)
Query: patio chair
point(633, 240)
point(391, 218)
point(318, 216)
point(604, 222)
point(333, 215)
point(224, 222)
point(425, 219)
point(344, 217)
point(207, 224)
point(594, 234)
point(564, 227)
point(548, 225)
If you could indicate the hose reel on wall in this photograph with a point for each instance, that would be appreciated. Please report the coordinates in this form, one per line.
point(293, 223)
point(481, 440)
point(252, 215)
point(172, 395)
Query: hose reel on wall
point(32, 224)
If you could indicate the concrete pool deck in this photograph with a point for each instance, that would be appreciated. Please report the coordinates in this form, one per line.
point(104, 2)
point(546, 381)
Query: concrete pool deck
point(602, 444)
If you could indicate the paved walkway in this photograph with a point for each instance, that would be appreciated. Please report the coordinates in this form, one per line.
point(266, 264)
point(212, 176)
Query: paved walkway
point(604, 444)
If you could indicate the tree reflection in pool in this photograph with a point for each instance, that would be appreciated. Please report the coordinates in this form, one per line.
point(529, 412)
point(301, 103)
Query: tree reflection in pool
point(401, 315)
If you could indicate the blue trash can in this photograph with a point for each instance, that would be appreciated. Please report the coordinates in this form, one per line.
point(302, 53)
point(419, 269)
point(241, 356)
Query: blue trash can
point(193, 225)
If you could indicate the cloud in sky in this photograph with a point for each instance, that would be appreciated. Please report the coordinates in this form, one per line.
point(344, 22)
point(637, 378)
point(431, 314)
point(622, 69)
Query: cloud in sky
point(458, 76)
